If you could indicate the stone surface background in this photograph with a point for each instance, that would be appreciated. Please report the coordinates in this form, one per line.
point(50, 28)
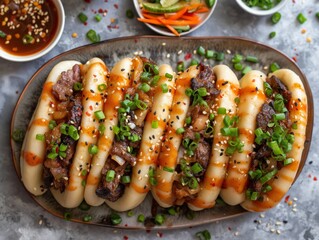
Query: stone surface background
point(21, 218)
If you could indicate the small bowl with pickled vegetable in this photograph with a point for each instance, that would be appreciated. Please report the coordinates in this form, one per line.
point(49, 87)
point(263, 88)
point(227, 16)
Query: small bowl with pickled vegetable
point(261, 7)
point(174, 17)
point(29, 29)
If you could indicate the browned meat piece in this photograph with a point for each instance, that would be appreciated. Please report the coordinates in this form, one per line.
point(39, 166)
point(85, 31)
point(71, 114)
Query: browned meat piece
point(279, 87)
point(265, 116)
point(75, 110)
point(183, 193)
point(205, 79)
point(120, 149)
point(202, 154)
point(63, 89)
point(111, 190)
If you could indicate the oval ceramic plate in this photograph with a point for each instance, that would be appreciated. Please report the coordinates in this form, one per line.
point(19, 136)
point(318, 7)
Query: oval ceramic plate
point(164, 31)
point(162, 50)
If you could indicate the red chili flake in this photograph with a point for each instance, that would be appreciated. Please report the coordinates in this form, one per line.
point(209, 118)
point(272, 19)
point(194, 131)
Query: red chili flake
point(91, 108)
point(125, 237)
point(294, 58)
point(116, 6)
point(85, 24)
point(188, 56)
point(287, 198)
point(213, 184)
point(159, 234)
point(315, 178)
point(125, 225)
point(87, 1)
point(229, 228)
point(309, 175)
point(87, 114)
point(100, 10)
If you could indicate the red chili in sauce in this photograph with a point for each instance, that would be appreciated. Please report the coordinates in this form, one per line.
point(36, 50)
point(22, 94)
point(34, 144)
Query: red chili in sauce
point(27, 26)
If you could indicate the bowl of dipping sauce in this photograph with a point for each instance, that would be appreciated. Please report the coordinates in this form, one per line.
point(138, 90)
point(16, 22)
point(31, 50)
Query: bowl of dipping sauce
point(29, 28)
point(262, 7)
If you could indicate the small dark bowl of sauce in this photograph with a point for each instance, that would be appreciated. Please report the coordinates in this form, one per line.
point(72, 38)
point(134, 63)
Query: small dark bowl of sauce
point(29, 28)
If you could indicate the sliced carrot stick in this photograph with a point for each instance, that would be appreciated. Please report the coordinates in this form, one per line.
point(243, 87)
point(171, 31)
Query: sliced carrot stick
point(151, 21)
point(149, 16)
point(178, 14)
point(179, 22)
point(191, 17)
point(202, 10)
point(173, 30)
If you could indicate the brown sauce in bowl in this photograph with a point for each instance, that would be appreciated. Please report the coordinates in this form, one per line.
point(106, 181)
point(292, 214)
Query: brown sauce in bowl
point(27, 26)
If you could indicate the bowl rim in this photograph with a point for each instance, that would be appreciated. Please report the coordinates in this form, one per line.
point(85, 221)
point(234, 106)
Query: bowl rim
point(166, 33)
point(260, 12)
point(49, 47)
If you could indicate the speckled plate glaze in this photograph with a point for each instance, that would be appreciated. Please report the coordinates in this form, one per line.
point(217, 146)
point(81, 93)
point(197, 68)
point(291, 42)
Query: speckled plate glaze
point(162, 50)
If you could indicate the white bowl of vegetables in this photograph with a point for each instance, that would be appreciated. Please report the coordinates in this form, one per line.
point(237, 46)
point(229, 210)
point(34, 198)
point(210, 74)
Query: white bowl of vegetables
point(174, 17)
point(261, 7)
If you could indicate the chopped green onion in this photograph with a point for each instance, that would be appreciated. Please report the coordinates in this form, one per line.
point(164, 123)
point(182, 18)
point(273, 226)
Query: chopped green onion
point(125, 179)
point(275, 148)
point(63, 147)
point(98, 17)
point(168, 169)
point(73, 132)
point(164, 88)
point(210, 54)
point(159, 219)
point(211, 116)
point(144, 87)
point(246, 70)
point(317, 15)
point(110, 175)
point(154, 124)
point(252, 59)
point(83, 183)
point(155, 80)
point(193, 183)
point(101, 87)
point(202, 91)
point(180, 130)
point(254, 196)
point(272, 35)
point(67, 216)
point(82, 17)
point(172, 211)
point(288, 161)
point(275, 18)
point(279, 116)
point(84, 172)
point(274, 67)
point(294, 126)
point(153, 181)
point(203, 235)
point(221, 110)
point(197, 168)
point(129, 14)
point(268, 176)
point(193, 62)
point(301, 18)
point(238, 66)
point(141, 218)
point(87, 218)
point(232, 132)
point(267, 188)
point(93, 149)
point(188, 120)
point(77, 86)
point(201, 51)
point(268, 89)
point(180, 66)
point(169, 76)
point(189, 92)
point(99, 115)
point(190, 215)
point(27, 39)
point(145, 76)
point(52, 124)
point(40, 137)
point(84, 206)
point(130, 213)
point(115, 219)
point(101, 128)
point(52, 155)
point(93, 36)
point(220, 56)
point(237, 58)
point(2, 34)
point(255, 174)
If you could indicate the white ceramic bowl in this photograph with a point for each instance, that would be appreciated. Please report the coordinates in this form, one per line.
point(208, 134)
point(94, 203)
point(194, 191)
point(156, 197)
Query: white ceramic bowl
point(54, 40)
point(163, 31)
point(259, 12)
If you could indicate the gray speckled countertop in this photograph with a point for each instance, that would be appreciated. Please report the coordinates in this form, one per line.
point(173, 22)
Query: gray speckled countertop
point(21, 218)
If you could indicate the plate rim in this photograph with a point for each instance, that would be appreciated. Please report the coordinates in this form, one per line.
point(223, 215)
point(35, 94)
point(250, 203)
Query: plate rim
point(309, 131)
